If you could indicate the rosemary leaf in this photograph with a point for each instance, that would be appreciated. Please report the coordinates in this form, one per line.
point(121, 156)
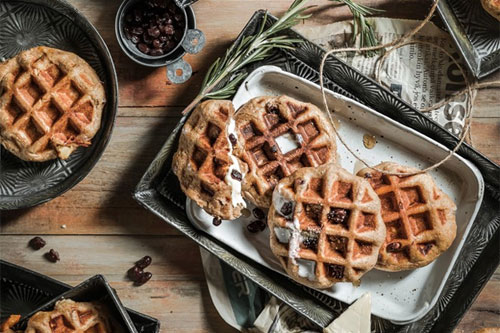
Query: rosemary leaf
point(247, 50)
point(361, 27)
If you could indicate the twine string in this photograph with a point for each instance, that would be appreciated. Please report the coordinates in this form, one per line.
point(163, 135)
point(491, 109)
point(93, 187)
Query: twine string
point(470, 90)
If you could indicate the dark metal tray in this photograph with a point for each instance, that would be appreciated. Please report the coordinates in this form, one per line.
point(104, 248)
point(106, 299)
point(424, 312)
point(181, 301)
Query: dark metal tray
point(54, 23)
point(25, 292)
point(159, 192)
point(475, 32)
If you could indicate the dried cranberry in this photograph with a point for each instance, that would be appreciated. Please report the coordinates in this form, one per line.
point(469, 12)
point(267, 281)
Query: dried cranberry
point(52, 256)
point(235, 174)
point(144, 262)
point(259, 213)
point(216, 221)
point(337, 215)
point(168, 29)
point(256, 226)
point(393, 247)
point(157, 44)
point(335, 271)
point(137, 31)
point(232, 139)
point(170, 44)
point(156, 52)
point(147, 38)
point(154, 32)
point(37, 243)
point(145, 277)
point(311, 243)
point(286, 209)
point(143, 48)
point(135, 39)
point(135, 273)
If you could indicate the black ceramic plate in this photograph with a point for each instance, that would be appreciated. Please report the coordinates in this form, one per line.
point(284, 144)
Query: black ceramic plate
point(53, 23)
point(95, 289)
point(159, 191)
point(23, 291)
point(476, 33)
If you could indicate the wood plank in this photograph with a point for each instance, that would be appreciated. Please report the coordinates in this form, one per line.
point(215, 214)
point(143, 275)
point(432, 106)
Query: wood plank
point(174, 257)
point(102, 203)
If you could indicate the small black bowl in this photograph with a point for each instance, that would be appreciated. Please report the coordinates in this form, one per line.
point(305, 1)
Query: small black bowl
point(192, 41)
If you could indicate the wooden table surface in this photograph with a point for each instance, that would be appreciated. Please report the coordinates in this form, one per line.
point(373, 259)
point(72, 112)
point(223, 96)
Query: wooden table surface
point(106, 230)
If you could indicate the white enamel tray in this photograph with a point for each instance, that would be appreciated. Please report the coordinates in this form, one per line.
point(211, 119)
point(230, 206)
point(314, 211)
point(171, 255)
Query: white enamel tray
point(400, 297)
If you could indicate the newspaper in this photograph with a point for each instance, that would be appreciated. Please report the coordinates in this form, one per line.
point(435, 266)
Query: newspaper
point(421, 75)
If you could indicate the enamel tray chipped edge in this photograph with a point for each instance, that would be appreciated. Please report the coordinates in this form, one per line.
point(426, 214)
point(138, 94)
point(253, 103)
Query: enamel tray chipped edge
point(159, 191)
point(406, 289)
point(55, 23)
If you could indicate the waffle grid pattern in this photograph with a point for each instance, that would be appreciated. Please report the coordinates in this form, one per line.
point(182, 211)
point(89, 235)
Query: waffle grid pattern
point(419, 220)
point(202, 160)
point(339, 219)
point(261, 122)
point(47, 104)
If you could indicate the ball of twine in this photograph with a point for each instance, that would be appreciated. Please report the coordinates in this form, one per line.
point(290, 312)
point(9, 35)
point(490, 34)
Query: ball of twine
point(470, 90)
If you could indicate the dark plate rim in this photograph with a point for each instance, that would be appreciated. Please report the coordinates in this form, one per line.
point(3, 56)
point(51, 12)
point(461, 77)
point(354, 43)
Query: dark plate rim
point(20, 202)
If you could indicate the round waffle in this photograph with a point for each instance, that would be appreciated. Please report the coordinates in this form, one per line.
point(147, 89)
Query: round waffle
point(69, 317)
point(276, 136)
point(50, 104)
point(325, 226)
point(419, 217)
point(208, 172)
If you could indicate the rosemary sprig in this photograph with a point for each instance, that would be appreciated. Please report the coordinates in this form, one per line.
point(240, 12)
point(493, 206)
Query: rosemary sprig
point(249, 49)
point(362, 27)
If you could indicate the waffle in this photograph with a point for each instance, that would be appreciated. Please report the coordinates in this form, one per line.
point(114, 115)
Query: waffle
point(70, 317)
point(208, 172)
point(265, 125)
point(419, 217)
point(5, 327)
point(50, 104)
point(325, 226)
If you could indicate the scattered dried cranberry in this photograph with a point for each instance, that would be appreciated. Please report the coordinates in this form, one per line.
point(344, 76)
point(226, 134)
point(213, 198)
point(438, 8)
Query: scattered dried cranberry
point(286, 209)
point(256, 226)
point(216, 221)
point(235, 174)
point(144, 262)
point(158, 24)
point(37, 243)
point(259, 213)
point(232, 139)
point(135, 273)
point(145, 277)
point(52, 256)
